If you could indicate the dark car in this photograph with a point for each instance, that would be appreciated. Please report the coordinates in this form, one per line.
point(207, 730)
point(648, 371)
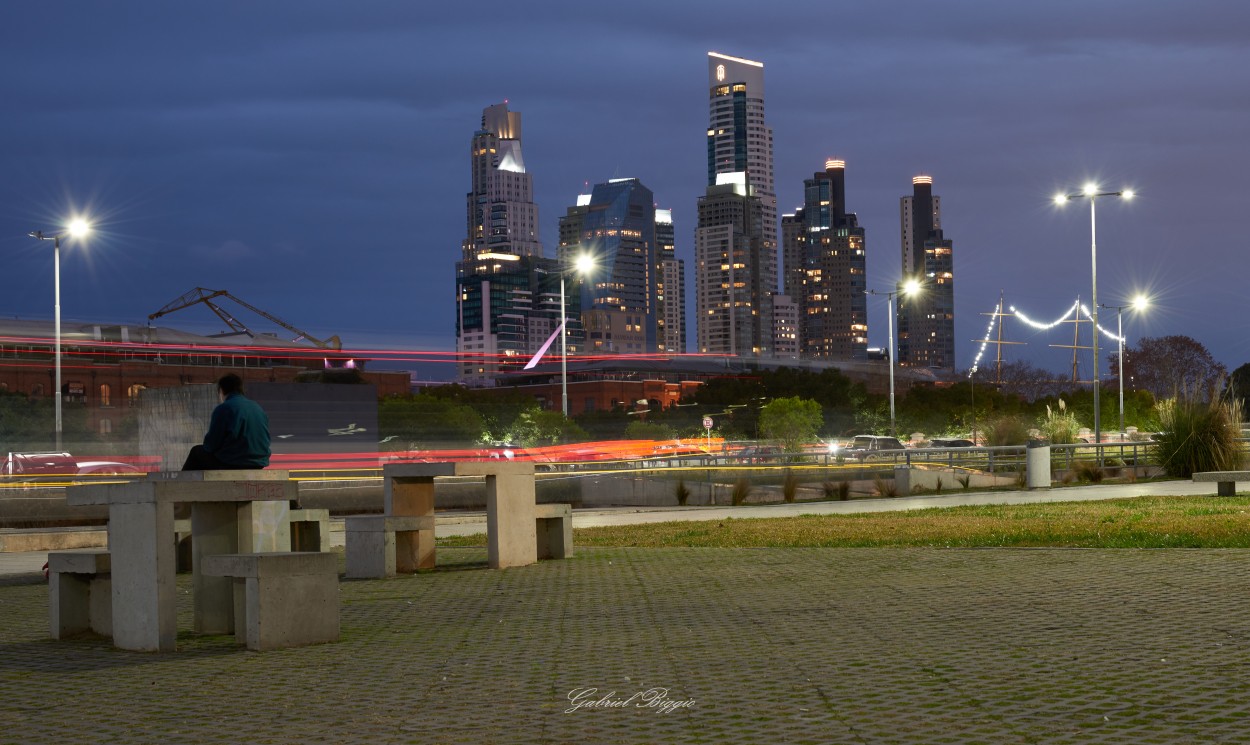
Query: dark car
point(867, 446)
point(943, 442)
point(760, 454)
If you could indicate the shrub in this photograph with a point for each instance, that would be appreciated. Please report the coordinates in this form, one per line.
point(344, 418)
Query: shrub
point(683, 492)
point(742, 490)
point(965, 480)
point(1198, 436)
point(938, 487)
point(1059, 425)
point(1007, 430)
point(1087, 471)
point(885, 488)
point(844, 490)
point(790, 487)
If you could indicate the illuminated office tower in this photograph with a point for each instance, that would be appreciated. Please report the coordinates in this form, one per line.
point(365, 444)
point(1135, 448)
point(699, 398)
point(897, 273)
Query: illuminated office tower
point(825, 269)
point(738, 138)
point(735, 280)
point(502, 216)
point(926, 320)
point(615, 225)
point(507, 294)
point(671, 290)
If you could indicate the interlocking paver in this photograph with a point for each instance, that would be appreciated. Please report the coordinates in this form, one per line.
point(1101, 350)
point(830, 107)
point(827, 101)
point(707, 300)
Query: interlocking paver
point(773, 646)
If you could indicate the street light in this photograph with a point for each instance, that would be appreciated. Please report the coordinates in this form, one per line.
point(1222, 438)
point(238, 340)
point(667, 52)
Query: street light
point(1092, 193)
point(908, 288)
point(77, 228)
point(1139, 304)
point(583, 264)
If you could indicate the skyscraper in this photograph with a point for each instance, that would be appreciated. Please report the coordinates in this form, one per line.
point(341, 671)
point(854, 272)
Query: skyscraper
point(734, 279)
point(738, 139)
point(926, 320)
point(825, 269)
point(502, 216)
point(671, 288)
point(507, 294)
point(615, 224)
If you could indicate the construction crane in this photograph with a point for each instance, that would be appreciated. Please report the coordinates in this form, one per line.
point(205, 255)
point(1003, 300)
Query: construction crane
point(206, 296)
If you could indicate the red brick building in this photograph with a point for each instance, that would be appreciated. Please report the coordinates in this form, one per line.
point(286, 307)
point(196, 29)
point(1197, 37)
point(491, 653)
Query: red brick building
point(106, 366)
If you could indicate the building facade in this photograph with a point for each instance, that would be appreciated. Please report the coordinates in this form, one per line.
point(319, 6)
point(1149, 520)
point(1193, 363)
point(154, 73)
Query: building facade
point(739, 139)
point(616, 226)
point(826, 262)
point(502, 216)
point(735, 274)
point(671, 288)
point(926, 319)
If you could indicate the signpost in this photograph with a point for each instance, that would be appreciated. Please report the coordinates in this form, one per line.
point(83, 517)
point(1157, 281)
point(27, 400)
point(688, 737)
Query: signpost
point(707, 424)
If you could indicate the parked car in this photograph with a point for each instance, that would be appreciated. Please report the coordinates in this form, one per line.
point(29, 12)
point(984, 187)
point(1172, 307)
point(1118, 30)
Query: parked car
point(944, 442)
point(866, 446)
point(26, 464)
point(758, 454)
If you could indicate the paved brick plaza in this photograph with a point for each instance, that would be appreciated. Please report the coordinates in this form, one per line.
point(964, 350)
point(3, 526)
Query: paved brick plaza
point(773, 646)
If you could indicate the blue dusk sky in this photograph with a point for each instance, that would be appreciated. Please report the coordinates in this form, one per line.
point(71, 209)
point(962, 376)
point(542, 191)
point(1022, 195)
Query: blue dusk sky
point(312, 157)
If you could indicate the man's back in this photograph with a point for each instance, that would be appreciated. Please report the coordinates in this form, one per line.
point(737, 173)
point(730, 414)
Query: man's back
point(238, 433)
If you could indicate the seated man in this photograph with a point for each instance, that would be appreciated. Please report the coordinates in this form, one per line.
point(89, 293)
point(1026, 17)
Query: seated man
point(238, 434)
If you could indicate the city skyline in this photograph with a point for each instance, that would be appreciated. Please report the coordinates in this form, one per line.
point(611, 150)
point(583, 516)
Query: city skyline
point(316, 166)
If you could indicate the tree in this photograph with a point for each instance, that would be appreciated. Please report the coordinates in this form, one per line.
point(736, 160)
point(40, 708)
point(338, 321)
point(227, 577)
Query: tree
point(791, 421)
point(1239, 385)
point(1172, 366)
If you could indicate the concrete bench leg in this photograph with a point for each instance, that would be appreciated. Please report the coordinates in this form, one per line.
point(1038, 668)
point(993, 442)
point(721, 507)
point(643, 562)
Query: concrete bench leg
point(512, 536)
point(553, 524)
point(414, 549)
point(1226, 488)
point(310, 530)
point(79, 593)
point(145, 614)
point(281, 599)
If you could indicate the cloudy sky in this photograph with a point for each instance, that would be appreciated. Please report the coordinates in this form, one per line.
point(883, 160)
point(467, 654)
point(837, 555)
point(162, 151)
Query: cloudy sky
point(312, 158)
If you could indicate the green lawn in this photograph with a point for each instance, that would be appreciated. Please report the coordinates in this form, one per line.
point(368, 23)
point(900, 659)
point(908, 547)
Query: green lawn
point(1145, 522)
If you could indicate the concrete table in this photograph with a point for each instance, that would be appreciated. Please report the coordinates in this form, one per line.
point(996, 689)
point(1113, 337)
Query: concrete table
point(231, 512)
point(510, 503)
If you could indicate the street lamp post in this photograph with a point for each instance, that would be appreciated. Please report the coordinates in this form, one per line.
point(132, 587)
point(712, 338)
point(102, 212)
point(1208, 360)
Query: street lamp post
point(909, 287)
point(1092, 192)
point(582, 265)
point(1139, 303)
point(77, 228)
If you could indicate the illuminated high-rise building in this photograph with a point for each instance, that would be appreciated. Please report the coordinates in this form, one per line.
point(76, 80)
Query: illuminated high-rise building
point(926, 319)
point(502, 216)
point(671, 290)
point(507, 293)
point(616, 226)
point(735, 280)
point(825, 269)
point(739, 139)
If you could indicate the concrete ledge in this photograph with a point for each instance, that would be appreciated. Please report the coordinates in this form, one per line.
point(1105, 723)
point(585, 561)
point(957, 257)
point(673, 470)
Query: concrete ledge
point(276, 564)
point(52, 539)
point(387, 523)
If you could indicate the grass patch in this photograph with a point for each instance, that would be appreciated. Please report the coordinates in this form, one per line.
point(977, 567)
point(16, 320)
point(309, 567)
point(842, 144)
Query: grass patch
point(1144, 522)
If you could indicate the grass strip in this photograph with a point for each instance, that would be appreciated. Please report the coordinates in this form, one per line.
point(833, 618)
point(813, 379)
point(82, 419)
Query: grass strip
point(1144, 522)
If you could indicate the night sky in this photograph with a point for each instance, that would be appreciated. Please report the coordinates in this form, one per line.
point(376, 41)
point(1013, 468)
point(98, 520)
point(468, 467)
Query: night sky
point(312, 157)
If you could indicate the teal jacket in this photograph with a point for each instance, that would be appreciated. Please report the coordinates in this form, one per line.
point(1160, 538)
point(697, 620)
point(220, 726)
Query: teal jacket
point(238, 433)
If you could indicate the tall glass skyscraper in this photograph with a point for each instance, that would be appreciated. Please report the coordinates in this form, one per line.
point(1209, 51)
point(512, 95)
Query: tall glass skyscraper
point(507, 293)
point(615, 225)
point(825, 269)
point(926, 320)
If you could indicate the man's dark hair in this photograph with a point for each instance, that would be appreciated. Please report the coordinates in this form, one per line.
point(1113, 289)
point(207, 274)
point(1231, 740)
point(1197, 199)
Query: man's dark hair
point(230, 383)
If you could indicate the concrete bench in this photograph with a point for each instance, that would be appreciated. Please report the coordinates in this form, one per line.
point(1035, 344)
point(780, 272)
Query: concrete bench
point(281, 599)
point(553, 525)
point(1225, 481)
point(376, 545)
point(80, 593)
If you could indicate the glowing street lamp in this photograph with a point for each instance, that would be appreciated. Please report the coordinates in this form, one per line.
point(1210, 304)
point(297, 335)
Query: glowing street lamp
point(1092, 193)
point(77, 228)
point(582, 265)
point(909, 287)
point(1139, 304)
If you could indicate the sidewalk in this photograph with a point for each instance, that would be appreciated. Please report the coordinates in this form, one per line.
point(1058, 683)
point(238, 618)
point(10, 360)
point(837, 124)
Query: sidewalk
point(689, 646)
